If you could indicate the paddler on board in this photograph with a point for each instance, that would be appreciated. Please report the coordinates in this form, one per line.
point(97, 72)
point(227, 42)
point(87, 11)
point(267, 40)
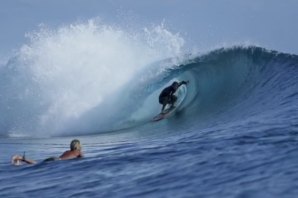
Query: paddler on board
point(74, 152)
point(167, 95)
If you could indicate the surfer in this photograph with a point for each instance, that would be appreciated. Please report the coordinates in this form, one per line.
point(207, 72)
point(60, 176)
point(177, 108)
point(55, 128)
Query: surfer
point(74, 152)
point(167, 95)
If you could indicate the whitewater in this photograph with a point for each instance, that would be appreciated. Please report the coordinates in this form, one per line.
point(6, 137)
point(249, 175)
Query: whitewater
point(234, 134)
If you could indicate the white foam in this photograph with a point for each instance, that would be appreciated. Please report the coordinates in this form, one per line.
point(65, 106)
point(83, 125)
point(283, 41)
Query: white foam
point(77, 66)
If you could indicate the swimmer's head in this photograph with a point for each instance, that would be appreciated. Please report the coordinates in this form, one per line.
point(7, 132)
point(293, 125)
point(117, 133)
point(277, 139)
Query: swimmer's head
point(75, 145)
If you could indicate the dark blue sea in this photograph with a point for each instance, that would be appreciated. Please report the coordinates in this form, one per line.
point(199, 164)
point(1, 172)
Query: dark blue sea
point(235, 133)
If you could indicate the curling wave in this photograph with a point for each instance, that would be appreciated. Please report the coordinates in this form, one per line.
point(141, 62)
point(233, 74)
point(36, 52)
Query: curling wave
point(227, 85)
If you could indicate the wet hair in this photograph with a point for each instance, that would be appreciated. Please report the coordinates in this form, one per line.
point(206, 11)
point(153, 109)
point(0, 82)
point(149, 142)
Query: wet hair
point(175, 83)
point(75, 145)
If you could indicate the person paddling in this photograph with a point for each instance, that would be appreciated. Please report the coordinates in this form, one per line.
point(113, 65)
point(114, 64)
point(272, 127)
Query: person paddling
point(74, 152)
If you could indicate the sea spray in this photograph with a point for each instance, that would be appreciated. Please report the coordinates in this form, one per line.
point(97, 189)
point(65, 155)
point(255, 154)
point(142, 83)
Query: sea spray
point(62, 73)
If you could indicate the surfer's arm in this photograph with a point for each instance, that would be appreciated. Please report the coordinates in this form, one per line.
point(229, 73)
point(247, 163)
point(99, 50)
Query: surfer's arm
point(183, 83)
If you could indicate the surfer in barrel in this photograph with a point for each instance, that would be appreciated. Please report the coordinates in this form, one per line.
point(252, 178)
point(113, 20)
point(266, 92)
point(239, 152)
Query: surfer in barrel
point(74, 152)
point(167, 94)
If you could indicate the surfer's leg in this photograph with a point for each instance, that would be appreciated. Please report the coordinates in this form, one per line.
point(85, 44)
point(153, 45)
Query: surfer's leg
point(173, 100)
point(17, 160)
point(163, 101)
point(163, 107)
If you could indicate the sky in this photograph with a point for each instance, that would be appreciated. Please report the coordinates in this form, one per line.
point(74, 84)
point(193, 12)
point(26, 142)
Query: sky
point(204, 24)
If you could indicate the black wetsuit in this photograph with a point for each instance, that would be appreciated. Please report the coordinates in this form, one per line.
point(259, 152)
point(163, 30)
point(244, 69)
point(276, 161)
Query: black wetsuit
point(165, 95)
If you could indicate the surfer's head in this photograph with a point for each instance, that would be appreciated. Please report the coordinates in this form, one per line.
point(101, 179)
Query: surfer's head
point(175, 84)
point(75, 145)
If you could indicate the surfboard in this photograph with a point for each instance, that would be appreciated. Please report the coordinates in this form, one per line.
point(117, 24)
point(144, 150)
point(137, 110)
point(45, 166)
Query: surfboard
point(164, 115)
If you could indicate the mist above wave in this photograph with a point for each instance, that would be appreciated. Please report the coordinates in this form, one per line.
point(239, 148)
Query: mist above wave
point(62, 73)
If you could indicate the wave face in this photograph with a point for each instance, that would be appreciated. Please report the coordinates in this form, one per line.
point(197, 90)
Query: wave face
point(87, 79)
point(227, 86)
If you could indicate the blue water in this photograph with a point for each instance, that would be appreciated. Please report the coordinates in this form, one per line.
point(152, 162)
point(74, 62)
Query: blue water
point(234, 135)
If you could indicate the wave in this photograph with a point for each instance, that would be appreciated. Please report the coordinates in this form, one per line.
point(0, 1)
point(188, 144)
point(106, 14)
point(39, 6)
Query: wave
point(63, 73)
point(54, 88)
point(226, 86)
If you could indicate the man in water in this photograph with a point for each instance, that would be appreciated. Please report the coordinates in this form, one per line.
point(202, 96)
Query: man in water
point(167, 95)
point(74, 152)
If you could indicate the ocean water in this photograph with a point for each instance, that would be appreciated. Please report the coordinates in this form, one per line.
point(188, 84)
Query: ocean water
point(235, 134)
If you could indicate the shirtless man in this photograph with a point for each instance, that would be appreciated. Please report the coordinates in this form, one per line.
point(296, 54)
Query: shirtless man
point(74, 152)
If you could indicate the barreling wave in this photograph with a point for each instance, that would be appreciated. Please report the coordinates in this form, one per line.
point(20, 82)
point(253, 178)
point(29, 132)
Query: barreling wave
point(231, 85)
point(227, 85)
